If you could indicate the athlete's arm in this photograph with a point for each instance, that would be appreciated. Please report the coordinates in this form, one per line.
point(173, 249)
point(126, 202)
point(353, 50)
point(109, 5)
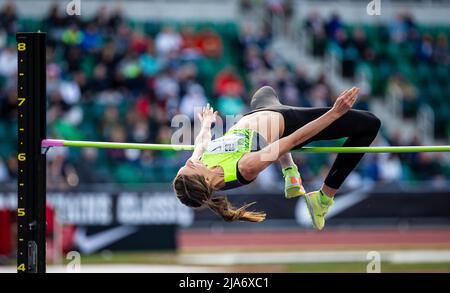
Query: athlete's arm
point(251, 164)
point(206, 117)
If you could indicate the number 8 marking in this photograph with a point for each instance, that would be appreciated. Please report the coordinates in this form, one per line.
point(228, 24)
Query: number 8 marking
point(21, 46)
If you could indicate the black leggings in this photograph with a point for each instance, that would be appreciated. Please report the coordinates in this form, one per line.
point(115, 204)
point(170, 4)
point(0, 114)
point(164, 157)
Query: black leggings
point(361, 128)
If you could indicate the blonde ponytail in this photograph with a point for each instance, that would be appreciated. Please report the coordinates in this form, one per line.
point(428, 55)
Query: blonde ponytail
point(222, 206)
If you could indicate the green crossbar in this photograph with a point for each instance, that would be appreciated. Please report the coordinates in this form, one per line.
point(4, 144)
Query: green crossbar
point(178, 147)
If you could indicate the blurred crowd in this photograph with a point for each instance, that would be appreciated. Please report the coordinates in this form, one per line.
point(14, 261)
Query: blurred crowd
point(108, 80)
point(400, 54)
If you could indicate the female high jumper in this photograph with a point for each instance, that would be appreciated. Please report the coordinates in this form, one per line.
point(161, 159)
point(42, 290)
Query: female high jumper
point(263, 136)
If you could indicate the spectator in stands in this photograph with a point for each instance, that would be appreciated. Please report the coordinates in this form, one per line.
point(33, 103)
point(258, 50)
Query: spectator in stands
point(55, 23)
point(122, 39)
point(322, 81)
point(252, 58)
point(315, 28)
point(72, 35)
point(149, 64)
point(117, 134)
point(226, 79)
point(302, 82)
point(109, 57)
point(390, 167)
point(116, 18)
point(87, 167)
point(401, 26)
point(139, 131)
point(245, 5)
point(167, 40)
point(426, 167)
point(210, 43)
point(58, 167)
point(166, 85)
point(247, 37)
point(274, 7)
point(425, 48)
point(371, 168)
point(348, 53)
point(189, 44)
point(100, 80)
point(408, 91)
point(8, 62)
point(264, 38)
point(361, 44)
point(139, 42)
point(333, 25)
point(193, 100)
point(318, 96)
point(8, 18)
point(187, 75)
point(3, 38)
point(130, 73)
point(8, 105)
point(4, 176)
point(230, 101)
point(73, 58)
point(92, 39)
point(441, 52)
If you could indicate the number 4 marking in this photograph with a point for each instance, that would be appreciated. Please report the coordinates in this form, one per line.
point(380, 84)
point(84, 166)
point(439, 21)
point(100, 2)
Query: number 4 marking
point(21, 267)
point(21, 101)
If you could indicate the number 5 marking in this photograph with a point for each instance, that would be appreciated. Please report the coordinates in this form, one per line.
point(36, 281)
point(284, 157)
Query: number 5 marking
point(21, 101)
point(20, 212)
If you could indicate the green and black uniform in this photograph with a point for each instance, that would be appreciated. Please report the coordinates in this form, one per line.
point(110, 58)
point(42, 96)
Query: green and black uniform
point(227, 150)
point(360, 127)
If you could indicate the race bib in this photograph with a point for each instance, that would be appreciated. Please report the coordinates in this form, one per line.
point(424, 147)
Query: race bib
point(225, 144)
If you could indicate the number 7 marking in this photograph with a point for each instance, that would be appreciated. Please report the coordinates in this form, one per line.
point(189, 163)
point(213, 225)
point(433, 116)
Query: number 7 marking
point(21, 101)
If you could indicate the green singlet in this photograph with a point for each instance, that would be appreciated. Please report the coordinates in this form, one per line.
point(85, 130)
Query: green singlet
point(227, 150)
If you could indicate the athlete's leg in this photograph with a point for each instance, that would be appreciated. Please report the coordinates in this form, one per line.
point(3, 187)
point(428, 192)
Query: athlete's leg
point(286, 160)
point(360, 128)
point(292, 181)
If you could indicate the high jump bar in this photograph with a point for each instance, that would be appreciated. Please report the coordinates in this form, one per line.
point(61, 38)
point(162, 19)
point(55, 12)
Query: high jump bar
point(47, 143)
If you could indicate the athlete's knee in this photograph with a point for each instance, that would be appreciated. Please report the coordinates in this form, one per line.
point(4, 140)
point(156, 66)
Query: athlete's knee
point(373, 122)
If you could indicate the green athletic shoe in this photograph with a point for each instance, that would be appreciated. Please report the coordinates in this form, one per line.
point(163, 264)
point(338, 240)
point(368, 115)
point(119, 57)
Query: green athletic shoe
point(318, 204)
point(292, 182)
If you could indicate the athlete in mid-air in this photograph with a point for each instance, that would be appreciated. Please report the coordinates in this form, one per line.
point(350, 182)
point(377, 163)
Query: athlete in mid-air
point(264, 136)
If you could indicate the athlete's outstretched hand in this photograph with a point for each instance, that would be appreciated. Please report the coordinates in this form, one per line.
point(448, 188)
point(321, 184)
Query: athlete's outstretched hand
point(207, 116)
point(345, 101)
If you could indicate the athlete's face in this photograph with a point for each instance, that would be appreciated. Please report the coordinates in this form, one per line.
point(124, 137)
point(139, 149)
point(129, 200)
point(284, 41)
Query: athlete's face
point(194, 168)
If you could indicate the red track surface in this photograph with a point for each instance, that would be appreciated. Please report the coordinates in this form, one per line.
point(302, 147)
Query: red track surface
point(328, 239)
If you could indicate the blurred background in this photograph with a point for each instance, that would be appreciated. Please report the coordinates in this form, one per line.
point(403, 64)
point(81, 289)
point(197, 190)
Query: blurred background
point(122, 70)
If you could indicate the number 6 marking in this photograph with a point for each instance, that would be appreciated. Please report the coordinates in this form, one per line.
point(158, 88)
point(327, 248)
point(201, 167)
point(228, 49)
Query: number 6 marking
point(21, 157)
